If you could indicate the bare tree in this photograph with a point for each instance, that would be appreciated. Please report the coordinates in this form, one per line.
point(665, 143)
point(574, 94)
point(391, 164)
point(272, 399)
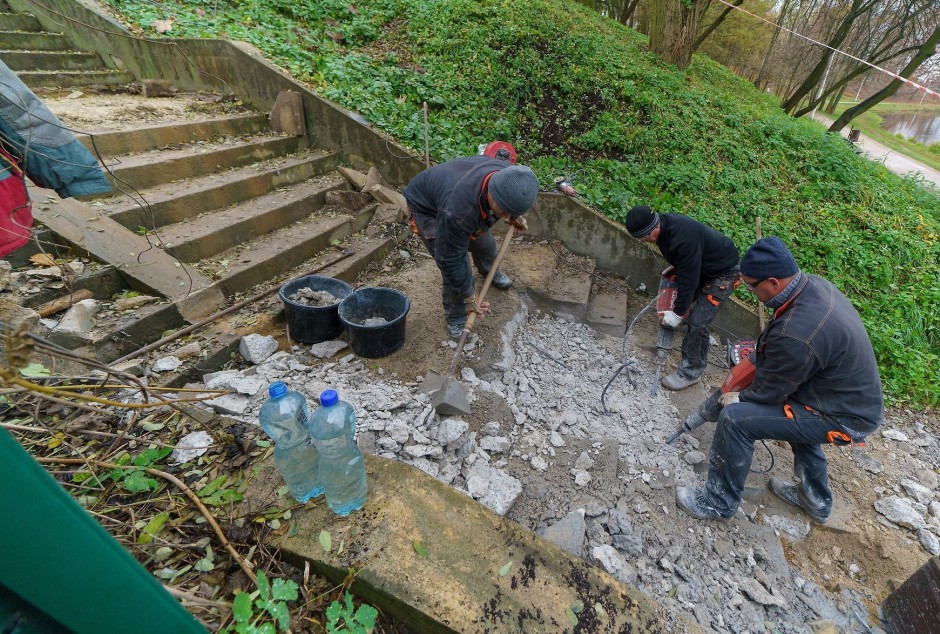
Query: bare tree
point(708, 30)
point(925, 52)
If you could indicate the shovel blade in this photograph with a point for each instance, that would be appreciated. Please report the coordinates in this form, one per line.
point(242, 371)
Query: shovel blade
point(450, 399)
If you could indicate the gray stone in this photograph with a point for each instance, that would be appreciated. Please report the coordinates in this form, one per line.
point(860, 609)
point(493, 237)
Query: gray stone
point(366, 441)
point(894, 434)
point(793, 528)
point(901, 511)
point(256, 348)
point(929, 541)
point(694, 457)
point(934, 508)
point(326, 349)
point(613, 562)
point(753, 589)
point(867, 462)
point(917, 491)
point(80, 318)
point(584, 462)
point(166, 364)
point(451, 430)
point(557, 440)
point(130, 303)
point(398, 431)
point(231, 404)
point(495, 444)
point(221, 380)
point(568, 532)
point(928, 478)
point(16, 315)
point(630, 544)
point(492, 488)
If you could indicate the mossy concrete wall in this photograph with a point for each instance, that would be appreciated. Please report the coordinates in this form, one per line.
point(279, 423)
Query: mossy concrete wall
point(239, 69)
point(476, 571)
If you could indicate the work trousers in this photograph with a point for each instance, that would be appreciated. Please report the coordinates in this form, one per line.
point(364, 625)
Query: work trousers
point(483, 251)
point(705, 306)
point(740, 425)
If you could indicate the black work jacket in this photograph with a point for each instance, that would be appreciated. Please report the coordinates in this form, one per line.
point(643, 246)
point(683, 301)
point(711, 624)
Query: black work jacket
point(816, 352)
point(699, 252)
point(454, 194)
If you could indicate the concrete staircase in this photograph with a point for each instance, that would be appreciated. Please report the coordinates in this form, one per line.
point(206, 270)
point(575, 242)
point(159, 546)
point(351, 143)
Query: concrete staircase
point(42, 59)
point(231, 206)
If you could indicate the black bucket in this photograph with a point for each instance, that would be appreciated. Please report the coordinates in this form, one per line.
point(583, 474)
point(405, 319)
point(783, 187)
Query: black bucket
point(313, 324)
point(380, 340)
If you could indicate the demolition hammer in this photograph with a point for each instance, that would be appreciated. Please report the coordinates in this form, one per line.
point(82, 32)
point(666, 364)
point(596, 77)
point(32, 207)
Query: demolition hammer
point(665, 301)
point(739, 377)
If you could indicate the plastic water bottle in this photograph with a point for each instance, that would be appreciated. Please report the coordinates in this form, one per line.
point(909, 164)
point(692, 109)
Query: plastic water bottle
point(284, 418)
point(342, 467)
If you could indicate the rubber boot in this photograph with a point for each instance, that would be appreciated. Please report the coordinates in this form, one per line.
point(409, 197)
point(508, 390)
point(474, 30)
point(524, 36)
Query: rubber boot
point(678, 381)
point(792, 494)
point(695, 502)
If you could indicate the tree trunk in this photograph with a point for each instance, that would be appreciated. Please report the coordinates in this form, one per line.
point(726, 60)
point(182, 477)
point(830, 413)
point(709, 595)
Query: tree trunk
point(673, 25)
point(815, 76)
point(714, 25)
point(927, 49)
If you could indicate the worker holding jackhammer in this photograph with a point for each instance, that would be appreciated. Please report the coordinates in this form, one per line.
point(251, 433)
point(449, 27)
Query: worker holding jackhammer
point(706, 262)
point(452, 207)
point(816, 383)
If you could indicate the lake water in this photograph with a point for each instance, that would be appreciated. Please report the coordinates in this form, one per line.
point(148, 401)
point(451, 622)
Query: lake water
point(923, 127)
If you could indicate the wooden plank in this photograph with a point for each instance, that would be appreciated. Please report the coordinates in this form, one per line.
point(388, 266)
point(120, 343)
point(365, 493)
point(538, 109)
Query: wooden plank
point(56, 305)
point(91, 230)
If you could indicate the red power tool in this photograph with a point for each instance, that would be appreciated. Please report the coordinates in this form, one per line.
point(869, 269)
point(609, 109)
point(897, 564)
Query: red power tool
point(739, 377)
point(665, 301)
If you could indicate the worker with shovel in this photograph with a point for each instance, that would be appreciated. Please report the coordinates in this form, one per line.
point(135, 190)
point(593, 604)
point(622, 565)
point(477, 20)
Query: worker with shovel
point(816, 382)
point(707, 265)
point(452, 207)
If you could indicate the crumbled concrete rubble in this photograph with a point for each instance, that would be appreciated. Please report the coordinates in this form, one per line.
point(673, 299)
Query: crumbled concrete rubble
point(541, 449)
point(310, 297)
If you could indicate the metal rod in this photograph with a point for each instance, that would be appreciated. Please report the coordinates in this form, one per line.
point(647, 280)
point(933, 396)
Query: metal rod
point(222, 313)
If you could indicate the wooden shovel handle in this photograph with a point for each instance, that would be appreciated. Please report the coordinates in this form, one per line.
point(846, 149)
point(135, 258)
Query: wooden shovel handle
point(489, 276)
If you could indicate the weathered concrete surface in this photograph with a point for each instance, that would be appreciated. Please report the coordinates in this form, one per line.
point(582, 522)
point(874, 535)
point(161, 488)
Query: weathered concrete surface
point(457, 587)
point(145, 267)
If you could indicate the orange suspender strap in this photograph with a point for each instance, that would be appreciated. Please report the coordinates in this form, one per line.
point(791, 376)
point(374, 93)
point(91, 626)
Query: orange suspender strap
point(788, 411)
point(712, 300)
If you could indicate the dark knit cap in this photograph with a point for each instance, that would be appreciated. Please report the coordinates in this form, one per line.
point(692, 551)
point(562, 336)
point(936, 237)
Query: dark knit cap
point(768, 257)
point(514, 188)
point(641, 221)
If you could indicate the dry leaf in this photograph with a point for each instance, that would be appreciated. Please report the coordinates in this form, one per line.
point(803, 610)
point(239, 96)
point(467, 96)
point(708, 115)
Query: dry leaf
point(200, 12)
point(163, 26)
point(42, 259)
point(353, 9)
point(336, 37)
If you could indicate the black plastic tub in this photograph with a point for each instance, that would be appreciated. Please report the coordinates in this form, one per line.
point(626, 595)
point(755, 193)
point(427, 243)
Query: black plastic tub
point(313, 324)
point(379, 340)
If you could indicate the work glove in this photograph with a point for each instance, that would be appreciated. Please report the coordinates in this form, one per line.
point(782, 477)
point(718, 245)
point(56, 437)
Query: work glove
point(473, 305)
point(729, 398)
point(519, 222)
point(671, 320)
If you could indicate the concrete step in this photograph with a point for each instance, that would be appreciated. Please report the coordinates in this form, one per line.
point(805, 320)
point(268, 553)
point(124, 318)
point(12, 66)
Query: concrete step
point(17, 22)
point(144, 139)
point(275, 253)
point(74, 78)
point(209, 234)
point(148, 169)
point(51, 60)
point(176, 202)
point(31, 41)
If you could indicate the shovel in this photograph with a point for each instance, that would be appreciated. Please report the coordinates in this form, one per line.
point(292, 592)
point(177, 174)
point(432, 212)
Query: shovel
point(451, 397)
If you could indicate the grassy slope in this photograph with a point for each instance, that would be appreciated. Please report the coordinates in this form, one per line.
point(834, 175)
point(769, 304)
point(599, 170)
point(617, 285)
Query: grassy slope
point(580, 95)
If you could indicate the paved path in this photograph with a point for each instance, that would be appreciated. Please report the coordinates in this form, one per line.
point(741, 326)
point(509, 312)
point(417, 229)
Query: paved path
point(894, 161)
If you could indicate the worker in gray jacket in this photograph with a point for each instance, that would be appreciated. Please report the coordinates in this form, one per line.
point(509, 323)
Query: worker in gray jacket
point(452, 207)
point(816, 383)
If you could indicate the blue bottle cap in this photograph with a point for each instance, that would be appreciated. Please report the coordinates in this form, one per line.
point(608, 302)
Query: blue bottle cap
point(329, 398)
point(277, 389)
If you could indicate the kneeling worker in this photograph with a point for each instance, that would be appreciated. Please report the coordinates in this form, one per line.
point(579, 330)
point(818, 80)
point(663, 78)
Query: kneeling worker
point(706, 262)
point(816, 383)
point(452, 207)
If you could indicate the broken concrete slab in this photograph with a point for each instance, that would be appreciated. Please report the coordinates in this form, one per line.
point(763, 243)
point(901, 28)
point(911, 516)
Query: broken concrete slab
point(256, 348)
point(450, 590)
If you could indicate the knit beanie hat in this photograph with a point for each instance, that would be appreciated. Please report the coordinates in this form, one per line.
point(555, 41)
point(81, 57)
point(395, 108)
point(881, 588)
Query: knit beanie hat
point(768, 257)
point(641, 221)
point(514, 189)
